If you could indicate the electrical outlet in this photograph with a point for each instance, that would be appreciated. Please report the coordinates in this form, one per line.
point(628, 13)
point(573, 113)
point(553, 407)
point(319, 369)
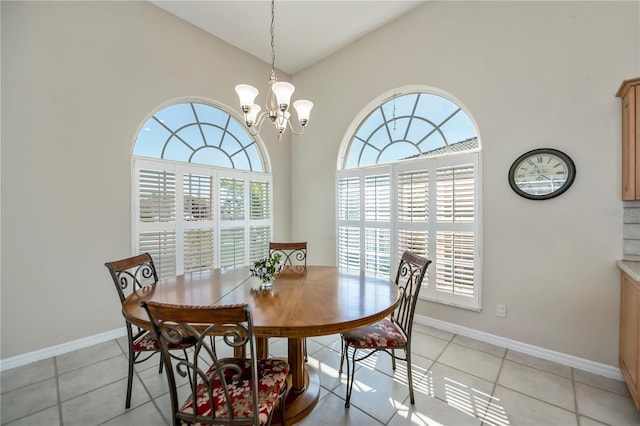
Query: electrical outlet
point(501, 311)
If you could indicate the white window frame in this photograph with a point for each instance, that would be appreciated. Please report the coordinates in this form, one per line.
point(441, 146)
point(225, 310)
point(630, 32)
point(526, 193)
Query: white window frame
point(180, 225)
point(429, 291)
point(431, 161)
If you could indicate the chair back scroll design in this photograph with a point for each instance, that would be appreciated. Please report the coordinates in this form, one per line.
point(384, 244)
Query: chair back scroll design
point(132, 274)
point(411, 272)
point(292, 253)
point(216, 381)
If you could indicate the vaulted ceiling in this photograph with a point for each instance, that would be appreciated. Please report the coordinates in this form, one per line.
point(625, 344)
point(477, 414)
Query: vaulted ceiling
point(306, 30)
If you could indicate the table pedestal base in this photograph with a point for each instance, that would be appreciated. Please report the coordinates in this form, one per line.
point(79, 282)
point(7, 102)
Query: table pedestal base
point(299, 405)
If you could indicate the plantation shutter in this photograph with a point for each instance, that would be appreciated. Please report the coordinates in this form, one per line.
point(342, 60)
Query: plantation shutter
point(349, 215)
point(157, 209)
point(198, 235)
point(231, 199)
point(161, 245)
point(455, 193)
point(413, 213)
point(260, 200)
point(259, 239)
point(198, 249)
point(157, 196)
point(349, 247)
point(191, 218)
point(455, 238)
point(377, 218)
point(232, 247)
point(427, 206)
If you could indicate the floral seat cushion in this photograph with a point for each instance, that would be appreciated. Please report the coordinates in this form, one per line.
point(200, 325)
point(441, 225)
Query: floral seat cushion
point(147, 342)
point(272, 375)
point(383, 334)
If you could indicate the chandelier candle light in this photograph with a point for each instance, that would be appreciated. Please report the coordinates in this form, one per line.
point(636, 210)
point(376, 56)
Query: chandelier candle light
point(278, 98)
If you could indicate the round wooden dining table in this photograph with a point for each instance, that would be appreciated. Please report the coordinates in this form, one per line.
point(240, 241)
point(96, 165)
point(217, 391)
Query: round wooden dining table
point(303, 302)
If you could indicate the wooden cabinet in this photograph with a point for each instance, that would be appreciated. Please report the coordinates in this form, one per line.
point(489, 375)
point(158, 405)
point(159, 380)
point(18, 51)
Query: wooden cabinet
point(629, 92)
point(629, 357)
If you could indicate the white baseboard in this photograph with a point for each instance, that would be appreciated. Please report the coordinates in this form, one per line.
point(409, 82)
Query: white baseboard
point(610, 371)
point(19, 360)
point(525, 348)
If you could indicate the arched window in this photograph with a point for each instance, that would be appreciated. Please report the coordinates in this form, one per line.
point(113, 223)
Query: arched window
point(409, 179)
point(201, 194)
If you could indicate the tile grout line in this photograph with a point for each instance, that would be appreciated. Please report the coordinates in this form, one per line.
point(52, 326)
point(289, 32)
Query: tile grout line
point(575, 396)
point(59, 399)
point(493, 389)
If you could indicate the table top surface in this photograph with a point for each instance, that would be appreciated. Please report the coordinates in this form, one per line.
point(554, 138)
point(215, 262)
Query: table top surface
point(304, 301)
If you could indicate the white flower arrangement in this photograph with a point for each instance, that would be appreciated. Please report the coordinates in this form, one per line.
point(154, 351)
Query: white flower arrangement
point(266, 269)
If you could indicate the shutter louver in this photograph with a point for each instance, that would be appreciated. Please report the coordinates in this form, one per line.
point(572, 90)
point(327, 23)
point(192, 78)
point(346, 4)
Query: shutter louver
point(157, 196)
point(349, 198)
point(232, 247)
point(377, 198)
point(416, 241)
point(231, 199)
point(413, 196)
point(198, 249)
point(455, 262)
point(455, 194)
point(162, 248)
point(259, 238)
point(198, 197)
point(377, 249)
point(349, 247)
point(260, 197)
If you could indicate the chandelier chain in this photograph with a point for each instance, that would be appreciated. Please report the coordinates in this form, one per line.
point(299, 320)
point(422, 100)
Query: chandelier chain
point(278, 98)
point(273, 37)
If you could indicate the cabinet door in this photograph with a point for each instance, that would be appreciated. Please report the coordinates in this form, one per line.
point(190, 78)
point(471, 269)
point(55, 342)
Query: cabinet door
point(629, 328)
point(629, 145)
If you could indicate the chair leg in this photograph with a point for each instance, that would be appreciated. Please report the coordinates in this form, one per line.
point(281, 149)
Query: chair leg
point(410, 376)
point(161, 362)
point(350, 377)
point(284, 393)
point(343, 351)
point(127, 402)
point(304, 343)
point(393, 359)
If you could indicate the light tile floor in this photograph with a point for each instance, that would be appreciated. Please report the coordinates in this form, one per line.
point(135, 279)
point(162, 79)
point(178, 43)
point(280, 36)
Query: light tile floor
point(457, 380)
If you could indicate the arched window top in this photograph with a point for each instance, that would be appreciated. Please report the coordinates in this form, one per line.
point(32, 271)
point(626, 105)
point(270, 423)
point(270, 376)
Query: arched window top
point(198, 133)
point(411, 125)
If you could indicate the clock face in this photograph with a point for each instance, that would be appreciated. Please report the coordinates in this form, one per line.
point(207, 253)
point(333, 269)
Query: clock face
point(542, 174)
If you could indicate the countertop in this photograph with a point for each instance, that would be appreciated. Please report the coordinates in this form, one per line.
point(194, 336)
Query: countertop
point(630, 267)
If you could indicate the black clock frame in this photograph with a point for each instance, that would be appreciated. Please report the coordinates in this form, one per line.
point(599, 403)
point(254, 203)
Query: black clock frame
point(571, 173)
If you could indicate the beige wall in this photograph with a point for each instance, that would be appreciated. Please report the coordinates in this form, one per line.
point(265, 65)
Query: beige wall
point(78, 79)
point(533, 74)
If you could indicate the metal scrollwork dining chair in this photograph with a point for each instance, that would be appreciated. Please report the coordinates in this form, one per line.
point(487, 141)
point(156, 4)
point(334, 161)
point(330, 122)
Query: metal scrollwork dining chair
point(239, 389)
point(392, 333)
point(291, 253)
point(294, 255)
point(129, 275)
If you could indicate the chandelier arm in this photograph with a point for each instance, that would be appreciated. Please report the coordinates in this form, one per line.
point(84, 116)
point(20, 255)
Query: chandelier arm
point(293, 130)
point(259, 122)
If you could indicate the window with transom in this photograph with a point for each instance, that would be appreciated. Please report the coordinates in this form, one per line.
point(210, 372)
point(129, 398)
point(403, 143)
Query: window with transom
point(202, 195)
point(409, 179)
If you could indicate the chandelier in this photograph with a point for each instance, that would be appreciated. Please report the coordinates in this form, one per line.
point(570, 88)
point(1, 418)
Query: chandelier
point(277, 102)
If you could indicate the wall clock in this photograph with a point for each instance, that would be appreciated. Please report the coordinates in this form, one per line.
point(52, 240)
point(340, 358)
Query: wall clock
point(542, 174)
